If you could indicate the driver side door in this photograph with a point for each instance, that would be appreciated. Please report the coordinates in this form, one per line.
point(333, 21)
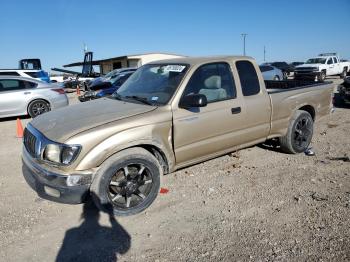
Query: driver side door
point(204, 131)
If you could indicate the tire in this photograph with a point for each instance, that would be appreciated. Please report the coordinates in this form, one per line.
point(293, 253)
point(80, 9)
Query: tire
point(343, 74)
point(38, 107)
point(299, 134)
point(322, 76)
point(276, 78)
point(127, 182)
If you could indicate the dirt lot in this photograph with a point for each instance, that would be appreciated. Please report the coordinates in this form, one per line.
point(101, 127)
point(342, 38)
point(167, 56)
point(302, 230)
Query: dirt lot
point(253, 205)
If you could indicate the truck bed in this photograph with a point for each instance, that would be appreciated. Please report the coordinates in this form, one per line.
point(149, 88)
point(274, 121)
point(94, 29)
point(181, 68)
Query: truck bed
point(290, 95)
point(280, 86)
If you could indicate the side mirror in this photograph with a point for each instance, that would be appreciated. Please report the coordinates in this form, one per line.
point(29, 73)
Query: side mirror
point(194, 100)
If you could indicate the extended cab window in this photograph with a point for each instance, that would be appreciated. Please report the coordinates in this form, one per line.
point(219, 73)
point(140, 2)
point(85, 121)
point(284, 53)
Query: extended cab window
point(215, 81)
point(335, 60)
point(11, 85)
point(248, 77)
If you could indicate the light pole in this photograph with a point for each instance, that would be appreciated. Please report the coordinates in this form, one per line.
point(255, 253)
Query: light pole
point(244, 35)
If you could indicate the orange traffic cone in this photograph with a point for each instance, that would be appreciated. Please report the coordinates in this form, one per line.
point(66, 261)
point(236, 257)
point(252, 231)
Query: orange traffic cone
point(78, 90)
point(19, 128)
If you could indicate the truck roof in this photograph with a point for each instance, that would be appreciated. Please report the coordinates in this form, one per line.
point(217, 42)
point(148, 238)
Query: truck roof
point(200, 60)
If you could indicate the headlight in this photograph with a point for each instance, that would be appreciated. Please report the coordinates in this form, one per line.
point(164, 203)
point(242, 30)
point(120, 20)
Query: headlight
point(61, 154)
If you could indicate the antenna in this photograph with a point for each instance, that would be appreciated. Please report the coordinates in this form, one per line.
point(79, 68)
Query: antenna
point(264, 53)
point(244, 36)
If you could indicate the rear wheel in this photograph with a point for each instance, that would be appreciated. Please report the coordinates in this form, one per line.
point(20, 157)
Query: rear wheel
point(299, 134)
point(38, 107)
point(127, 183)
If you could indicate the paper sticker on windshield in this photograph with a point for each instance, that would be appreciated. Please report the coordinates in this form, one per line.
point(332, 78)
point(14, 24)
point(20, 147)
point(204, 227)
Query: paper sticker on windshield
point(174, 68)
point(154, 98)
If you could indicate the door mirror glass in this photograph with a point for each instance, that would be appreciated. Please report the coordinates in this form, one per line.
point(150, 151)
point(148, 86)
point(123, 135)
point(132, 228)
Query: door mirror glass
point(193, 100)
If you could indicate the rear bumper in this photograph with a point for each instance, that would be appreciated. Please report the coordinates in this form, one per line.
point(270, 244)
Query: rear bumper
point(53, 186)
point(59, 101)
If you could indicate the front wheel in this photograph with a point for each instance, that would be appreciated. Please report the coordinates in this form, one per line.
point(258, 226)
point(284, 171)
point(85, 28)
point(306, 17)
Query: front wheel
point(299, 134)
point(343, 74)
point(322, 76)
point(127, 183)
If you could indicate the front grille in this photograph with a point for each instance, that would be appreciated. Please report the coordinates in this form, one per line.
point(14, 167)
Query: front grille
point(302, 69)
point(29, 142)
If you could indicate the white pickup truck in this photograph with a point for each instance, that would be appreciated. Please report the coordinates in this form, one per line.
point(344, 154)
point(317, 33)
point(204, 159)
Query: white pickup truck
point(323, 65)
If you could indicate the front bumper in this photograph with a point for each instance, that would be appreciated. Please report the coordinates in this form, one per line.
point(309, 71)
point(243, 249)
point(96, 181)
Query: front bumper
point(53, 186)
point(307, 74)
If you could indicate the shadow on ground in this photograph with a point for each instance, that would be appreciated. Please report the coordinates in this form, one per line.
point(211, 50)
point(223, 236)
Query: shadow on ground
point(93, 242)
point(13, 118)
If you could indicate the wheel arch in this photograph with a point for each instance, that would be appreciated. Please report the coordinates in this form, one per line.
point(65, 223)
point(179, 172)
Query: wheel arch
point(310, 109)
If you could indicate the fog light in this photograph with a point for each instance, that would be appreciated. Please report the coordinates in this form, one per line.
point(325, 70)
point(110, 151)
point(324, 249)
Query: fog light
point(51, 191)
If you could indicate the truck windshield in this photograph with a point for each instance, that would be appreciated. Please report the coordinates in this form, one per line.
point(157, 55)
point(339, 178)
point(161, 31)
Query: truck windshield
point(316, 61)
point(152, 84)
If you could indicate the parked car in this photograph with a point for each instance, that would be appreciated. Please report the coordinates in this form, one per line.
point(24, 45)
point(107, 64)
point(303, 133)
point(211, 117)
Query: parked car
point(344, 91)
point(108, 89)
point(271, 73)
point(22, 96)
point(327, 64)
point(104, 81)
point(168, 115)
point(283, 66)
point(30, 73)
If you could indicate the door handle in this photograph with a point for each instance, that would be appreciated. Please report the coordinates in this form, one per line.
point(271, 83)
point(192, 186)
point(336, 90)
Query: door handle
point(236, 110)
point(27, 93)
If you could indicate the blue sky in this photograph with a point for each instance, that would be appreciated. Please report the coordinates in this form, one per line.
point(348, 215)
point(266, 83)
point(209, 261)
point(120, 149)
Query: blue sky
point(55, 31)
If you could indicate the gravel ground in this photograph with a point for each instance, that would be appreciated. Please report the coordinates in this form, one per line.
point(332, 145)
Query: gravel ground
point(256, 204)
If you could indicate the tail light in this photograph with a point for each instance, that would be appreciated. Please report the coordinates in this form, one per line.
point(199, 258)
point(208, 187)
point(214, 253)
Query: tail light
point(59, 90)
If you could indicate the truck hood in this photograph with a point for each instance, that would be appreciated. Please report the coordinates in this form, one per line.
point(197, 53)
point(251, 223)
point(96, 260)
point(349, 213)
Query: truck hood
point(61, 124)
point(308, 65)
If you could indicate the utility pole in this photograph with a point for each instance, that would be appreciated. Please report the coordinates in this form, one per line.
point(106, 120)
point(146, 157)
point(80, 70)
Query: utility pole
point(264, 53)
point(244, 36)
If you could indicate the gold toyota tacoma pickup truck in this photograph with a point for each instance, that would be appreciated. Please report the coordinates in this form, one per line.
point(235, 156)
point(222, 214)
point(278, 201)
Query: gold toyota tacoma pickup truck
point(168, 115)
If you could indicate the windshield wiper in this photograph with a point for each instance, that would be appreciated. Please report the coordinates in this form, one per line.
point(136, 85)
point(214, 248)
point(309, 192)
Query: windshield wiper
point(140, 99)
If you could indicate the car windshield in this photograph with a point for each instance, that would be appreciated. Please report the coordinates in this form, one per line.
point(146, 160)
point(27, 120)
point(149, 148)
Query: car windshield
point(152, 84)
point(316, 61)
point(110, 74)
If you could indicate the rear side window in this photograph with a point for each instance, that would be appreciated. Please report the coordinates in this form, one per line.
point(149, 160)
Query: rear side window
point(9, 73)
point(248, 78)
point(335, 60)
point(11, 85)
point(28, 84)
